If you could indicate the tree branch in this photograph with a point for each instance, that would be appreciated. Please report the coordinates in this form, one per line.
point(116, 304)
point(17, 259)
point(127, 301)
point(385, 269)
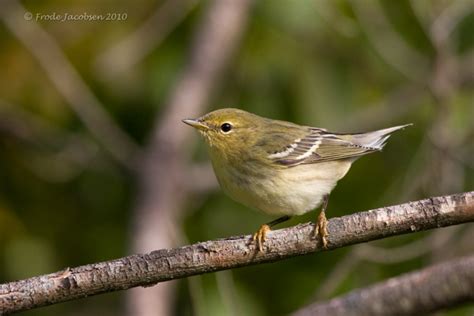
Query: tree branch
point(421, 292)
point(168, 264)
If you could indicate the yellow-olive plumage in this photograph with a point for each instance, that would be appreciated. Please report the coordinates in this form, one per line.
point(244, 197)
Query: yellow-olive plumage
point(279, 167)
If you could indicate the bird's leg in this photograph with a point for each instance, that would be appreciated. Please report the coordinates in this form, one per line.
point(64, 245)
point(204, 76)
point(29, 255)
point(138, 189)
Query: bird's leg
point(321, 224)
point(259, 236)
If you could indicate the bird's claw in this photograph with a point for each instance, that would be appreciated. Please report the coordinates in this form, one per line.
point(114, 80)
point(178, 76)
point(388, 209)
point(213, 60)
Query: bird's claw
point(321, 229)
point(260, 236)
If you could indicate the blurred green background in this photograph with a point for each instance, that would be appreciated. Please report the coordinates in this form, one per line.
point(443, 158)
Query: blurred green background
point(348, 66)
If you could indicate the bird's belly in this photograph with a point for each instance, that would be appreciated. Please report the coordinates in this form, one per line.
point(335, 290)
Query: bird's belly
point(292, 191)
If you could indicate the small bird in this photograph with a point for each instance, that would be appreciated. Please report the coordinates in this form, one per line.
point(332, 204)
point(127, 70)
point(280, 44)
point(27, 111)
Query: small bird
point(278, 167)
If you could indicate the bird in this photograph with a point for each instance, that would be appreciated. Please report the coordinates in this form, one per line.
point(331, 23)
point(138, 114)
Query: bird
point(281, 168)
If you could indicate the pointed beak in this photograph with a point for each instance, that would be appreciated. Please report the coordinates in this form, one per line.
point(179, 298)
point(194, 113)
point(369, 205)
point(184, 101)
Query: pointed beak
point(196, 124)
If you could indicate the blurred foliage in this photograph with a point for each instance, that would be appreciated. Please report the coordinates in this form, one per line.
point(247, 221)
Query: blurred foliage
point(343, 65)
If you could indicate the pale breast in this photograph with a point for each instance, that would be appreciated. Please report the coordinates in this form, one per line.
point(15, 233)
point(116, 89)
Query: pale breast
point(289, 191)
point(310, 183)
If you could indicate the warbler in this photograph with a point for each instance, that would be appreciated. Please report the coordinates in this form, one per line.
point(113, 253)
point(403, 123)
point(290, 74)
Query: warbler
point(278, 167)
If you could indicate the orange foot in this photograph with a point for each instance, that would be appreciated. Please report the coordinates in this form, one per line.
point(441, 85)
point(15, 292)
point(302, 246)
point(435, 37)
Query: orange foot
point(259, 236)
point(321, 229)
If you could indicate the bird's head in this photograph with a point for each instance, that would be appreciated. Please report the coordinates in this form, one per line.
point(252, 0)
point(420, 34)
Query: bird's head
point(228, 129)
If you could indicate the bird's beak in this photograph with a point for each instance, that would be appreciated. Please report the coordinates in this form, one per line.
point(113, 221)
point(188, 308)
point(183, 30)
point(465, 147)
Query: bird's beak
point(196, 124)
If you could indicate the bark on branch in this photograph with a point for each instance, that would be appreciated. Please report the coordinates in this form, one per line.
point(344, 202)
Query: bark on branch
point(417, 293)
point(168, 264)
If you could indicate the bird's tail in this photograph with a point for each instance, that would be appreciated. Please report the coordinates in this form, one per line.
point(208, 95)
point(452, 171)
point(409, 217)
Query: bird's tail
point(375, 139)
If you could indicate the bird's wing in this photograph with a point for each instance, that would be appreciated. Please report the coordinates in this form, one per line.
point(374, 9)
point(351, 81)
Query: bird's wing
point(318, 145)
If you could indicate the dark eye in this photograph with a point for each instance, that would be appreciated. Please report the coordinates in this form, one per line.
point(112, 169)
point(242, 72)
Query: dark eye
point(226, 127)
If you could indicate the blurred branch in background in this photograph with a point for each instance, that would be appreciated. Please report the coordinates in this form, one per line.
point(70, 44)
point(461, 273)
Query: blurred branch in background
point(168, 264)
point(388, 43)
point(329, 13)
point(441, 24)
point(69, 83)
point(438, 239)
point(59, 155)
point(164, 175)
point(133, 48)
point(466, 65)
point(444, 82)
point(395, 105)
point(425, 291)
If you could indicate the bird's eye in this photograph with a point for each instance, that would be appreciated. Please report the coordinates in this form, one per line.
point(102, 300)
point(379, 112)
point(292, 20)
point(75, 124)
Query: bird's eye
point(226, 127)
